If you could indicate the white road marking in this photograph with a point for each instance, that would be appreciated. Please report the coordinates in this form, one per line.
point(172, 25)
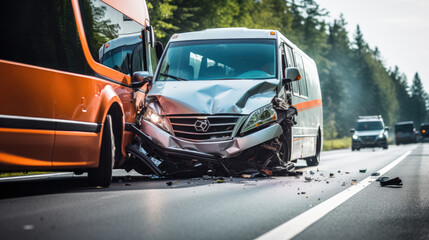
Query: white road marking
point(298, 224)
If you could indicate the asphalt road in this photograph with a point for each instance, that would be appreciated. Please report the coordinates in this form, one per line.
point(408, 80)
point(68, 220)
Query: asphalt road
point(63, 207)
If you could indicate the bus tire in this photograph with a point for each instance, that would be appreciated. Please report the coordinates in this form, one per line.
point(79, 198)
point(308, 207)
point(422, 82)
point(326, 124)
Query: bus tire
point(102, 176)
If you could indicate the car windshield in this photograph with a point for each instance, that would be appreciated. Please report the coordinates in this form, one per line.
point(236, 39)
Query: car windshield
point(368, 126)
point(219, 59)
point(404, 128)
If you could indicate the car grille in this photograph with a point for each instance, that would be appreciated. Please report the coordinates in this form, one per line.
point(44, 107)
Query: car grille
point(369, 138)
point(218, 127)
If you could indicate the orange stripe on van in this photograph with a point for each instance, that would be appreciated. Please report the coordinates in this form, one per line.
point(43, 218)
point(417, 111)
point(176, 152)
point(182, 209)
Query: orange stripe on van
point(308, 105)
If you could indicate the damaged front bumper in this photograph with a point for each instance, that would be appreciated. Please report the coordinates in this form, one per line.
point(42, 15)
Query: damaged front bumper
point(170, 145)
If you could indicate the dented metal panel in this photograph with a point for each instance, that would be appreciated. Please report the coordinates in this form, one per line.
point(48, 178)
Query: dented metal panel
point(208, 97)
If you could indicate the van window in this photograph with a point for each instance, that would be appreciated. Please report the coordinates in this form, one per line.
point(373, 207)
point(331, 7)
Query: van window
point(303, 81)
point(114, 39)
point(42, 33)
point(219, 59)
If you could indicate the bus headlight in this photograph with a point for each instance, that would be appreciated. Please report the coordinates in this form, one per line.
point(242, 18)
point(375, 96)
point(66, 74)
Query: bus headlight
point(260, 117)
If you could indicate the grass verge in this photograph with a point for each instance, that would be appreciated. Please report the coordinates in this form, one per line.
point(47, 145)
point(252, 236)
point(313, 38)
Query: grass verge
point(16, 174)
point(339, 143)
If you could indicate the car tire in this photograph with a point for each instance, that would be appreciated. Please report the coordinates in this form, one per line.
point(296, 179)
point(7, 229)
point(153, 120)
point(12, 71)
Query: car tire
point(314, 161)
point(102, 175)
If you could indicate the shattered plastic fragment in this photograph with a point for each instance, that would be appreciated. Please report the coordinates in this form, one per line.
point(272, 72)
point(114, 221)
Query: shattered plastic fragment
point(375, 174)
point(347, 172)
point(382, 179)
point(220, 180)
point(302, 192)
point(362, 170)
point(268, 172)
point(344, 184)
point(311, 172)
point(331, 175)
point(391, 182)
point(308, 179)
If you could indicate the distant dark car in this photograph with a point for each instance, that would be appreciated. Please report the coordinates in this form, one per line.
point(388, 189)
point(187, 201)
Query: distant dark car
point(369, 132)
point(424, 131)
point(405, 132)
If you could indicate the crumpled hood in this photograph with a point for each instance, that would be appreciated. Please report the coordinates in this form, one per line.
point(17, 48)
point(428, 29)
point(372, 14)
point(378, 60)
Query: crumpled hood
point(369, 133)
point(214, 96)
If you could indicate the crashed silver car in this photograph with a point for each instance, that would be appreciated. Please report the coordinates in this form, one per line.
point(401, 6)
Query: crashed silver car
point(231, 99)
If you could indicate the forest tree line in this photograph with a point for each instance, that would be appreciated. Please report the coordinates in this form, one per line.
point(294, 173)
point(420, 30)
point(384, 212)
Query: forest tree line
point(354, 78)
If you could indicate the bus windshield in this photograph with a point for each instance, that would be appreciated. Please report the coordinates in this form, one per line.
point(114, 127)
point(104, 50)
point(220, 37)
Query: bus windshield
point(219, 60)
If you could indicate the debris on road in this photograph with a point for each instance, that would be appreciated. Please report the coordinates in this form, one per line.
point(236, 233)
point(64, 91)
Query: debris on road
point(308, 179)
point(344, 184)
point(362, 170)
point(375, 174)
point(391, 182)
point(347, 172)
point(382, 179)
point(169, 183)
point(331, 175)
point(220, 180)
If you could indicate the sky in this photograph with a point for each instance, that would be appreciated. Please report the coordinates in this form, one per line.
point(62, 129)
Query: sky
point(399, 28)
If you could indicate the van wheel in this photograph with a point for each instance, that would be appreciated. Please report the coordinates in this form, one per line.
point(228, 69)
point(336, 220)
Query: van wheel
point(314, 161)
point(102, 176)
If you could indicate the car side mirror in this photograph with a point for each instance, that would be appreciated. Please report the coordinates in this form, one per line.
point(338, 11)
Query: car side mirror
point(292, 74)
point(352, 130)
point(159, 49)
point(140, 78)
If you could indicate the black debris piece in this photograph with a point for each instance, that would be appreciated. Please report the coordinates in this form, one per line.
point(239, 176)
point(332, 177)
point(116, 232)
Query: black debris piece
point(169, 183)
point(391, 182)
point(308, 179)
point(382, 179)
point(127, 184)
point(339, 171)
point(347, 172)
point(375, 174)
point(362, 170)
point(302, 192)
point(331, 175)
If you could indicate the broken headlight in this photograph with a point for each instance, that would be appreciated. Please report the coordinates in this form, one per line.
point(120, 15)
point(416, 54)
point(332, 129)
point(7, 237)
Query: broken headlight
point(152, 116)
point(260, 117)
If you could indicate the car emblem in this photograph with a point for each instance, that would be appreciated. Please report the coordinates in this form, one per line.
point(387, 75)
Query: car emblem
point(202, 125)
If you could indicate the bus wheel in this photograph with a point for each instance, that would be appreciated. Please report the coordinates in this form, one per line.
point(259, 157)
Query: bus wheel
point(102, 176)
point(314, 161)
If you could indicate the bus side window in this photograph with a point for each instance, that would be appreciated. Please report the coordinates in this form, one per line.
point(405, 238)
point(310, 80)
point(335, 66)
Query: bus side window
point(303, 82)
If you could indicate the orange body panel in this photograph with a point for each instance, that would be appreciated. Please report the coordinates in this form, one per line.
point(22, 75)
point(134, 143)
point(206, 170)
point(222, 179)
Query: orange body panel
point(25, 149)
point(37, 92)
point(26, 90)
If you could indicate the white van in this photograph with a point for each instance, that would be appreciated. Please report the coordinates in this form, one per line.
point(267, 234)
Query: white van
point(236, 95)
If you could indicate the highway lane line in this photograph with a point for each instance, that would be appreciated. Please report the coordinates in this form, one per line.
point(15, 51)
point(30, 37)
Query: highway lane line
point(298, 224)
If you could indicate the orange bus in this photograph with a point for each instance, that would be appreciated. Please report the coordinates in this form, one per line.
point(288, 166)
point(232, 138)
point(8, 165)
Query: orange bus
point(61, 108)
